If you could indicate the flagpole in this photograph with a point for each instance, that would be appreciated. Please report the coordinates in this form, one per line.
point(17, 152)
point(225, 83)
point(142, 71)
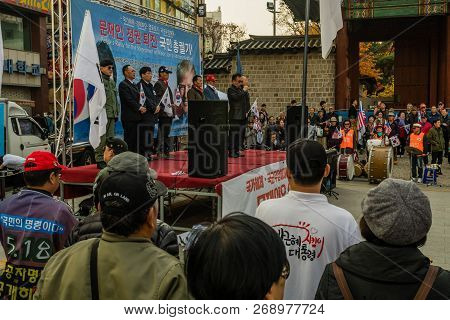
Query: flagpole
point(303, 132)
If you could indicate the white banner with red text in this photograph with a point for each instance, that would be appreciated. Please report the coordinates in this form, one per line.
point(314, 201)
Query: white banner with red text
point(245, 192)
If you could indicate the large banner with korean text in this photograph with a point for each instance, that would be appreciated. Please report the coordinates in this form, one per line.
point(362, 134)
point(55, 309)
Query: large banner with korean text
point(128, 39)
point(245, 192)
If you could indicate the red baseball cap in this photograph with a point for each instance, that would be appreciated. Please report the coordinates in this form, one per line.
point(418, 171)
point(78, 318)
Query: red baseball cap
point(40, 161)
point(210, 77)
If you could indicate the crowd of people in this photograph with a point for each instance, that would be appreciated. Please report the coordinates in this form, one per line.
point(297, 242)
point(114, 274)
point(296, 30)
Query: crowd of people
point(296, 247)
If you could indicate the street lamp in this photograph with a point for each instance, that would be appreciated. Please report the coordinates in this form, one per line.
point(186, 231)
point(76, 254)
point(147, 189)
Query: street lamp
point(272, 7)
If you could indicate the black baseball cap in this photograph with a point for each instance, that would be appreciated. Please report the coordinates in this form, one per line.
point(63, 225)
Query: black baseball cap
point(106, 62)
point(126, 192)
point(117, 144)
point(163, 69)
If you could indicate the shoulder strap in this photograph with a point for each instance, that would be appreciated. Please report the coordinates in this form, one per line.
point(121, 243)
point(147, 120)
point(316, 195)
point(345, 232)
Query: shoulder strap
point(94, 271)
point(342, 283)
point(427, 283)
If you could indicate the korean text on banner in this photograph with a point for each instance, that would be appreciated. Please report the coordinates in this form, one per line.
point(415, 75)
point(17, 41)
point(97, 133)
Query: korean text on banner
point(245, 192)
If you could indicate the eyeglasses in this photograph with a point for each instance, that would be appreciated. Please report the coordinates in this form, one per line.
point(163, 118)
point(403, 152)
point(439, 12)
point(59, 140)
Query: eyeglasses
point(110, 68)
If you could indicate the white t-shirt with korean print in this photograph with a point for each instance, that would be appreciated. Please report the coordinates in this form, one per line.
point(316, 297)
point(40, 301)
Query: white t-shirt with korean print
point(314, 233)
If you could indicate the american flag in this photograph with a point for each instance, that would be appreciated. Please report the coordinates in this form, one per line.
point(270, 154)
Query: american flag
point(361, 123)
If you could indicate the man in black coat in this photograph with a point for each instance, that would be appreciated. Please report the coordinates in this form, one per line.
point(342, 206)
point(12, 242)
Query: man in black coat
point(239, 101)
point(165, 114)
point(131, 110)
point(149, 117)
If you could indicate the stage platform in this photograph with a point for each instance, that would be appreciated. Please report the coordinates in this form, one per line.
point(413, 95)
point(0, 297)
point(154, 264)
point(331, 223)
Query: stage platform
point(78, 181)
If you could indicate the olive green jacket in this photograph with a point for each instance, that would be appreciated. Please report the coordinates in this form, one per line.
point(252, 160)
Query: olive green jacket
point(128, 269)
point(111, 105)
point(436, 139)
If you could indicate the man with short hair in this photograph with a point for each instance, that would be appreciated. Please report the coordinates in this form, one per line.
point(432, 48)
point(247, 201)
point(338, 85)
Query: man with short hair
point(312, 116)
point(149, 117)
point(210, 90)
point(131, 109)
point(111, 107)
point(141, 271)
point(166, 113)
point(196, 92)
point(33, 226)
point(434, 115)
point(436, 138)
point(238, 99)
point(313, 231)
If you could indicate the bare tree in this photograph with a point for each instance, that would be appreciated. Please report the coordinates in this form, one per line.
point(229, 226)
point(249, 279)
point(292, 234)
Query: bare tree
point(286, 22)
point(233, 33)
point(214, 32)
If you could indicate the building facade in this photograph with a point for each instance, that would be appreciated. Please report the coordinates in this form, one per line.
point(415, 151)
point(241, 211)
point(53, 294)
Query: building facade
point(25, 53)
point(274, 66)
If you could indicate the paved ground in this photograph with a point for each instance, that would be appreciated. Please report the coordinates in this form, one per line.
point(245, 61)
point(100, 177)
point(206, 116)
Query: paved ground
point(350, 196)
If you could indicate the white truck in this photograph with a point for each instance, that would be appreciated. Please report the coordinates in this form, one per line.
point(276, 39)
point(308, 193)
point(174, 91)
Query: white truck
point(21, 134)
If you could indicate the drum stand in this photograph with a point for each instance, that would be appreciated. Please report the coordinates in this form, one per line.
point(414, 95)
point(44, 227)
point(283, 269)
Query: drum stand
point(329, 192)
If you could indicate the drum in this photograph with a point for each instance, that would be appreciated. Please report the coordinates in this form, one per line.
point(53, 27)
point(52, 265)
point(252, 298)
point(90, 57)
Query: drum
point(373, 143)
point(366, 169)
point(359, 169)
point(346, 167)
point(395, 141)
point(380, 164)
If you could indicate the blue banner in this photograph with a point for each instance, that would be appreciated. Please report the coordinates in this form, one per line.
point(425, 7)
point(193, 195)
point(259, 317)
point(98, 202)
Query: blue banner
point(3, 122)
point(128, 39)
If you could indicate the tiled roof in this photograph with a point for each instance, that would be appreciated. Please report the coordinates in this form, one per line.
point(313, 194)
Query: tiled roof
point(220, 62)
point(277, 43)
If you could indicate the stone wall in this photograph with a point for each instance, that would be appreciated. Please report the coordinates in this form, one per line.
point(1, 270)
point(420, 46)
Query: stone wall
point(276, 79)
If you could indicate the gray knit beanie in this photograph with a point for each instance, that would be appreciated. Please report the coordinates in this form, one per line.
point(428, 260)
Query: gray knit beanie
point(397, 212)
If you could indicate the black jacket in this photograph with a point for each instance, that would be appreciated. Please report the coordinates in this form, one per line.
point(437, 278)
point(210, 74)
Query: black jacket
point(129, 102)
point(382, 273)
point(90, 227)
point(160, 88)
point(239, 101)
point(151, 102)
point(352, 112)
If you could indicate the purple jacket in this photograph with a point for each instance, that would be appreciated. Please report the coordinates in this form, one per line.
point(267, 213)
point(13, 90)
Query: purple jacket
point(33, 227)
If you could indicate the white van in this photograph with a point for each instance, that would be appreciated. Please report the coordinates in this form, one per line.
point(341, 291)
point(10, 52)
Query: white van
point(21, 134)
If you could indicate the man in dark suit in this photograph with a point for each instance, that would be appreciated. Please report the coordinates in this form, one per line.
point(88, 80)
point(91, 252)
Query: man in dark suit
point(166, 112)
point(149, 117)
point(239, 101)
point(196, 92)
point(210, 90)
point(131, 110)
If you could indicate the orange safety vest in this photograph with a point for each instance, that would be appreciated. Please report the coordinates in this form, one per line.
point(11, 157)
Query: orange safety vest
point(347, 139)
point(416, 141)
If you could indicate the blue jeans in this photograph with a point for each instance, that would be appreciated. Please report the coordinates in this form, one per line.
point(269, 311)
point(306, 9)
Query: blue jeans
point(416, 164)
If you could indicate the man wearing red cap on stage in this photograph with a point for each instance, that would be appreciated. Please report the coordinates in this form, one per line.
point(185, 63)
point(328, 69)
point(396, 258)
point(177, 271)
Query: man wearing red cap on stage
point(210, 91)
point(33, 226)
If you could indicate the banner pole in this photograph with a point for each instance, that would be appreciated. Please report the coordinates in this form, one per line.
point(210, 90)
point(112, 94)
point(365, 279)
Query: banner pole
point(303, 132)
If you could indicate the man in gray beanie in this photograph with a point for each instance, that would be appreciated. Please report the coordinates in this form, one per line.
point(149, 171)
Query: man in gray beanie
point(388, 265)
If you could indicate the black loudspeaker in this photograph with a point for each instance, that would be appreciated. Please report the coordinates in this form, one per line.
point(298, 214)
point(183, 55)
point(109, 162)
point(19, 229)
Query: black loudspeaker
point(295, 124)
point(208, 139)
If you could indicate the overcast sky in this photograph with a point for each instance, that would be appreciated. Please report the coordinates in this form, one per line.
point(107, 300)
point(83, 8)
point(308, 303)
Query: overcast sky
point(252, 13)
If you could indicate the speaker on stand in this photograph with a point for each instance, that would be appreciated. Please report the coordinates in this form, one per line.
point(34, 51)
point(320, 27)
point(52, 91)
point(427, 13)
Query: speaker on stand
point(208, 139)
point(295, 123)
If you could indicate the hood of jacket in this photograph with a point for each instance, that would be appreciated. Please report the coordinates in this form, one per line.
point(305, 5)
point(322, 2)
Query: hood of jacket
point(384, 264)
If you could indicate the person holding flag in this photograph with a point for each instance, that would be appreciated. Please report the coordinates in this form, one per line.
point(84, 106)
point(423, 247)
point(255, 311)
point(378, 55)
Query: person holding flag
point(361, 125)
point(111, 107)
point(166, 113)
